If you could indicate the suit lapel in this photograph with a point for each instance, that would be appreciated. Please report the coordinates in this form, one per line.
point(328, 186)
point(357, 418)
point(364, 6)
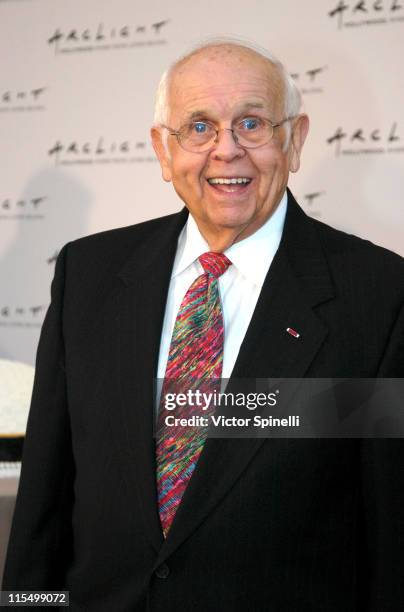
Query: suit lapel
point(297, 281)
point(145, 280)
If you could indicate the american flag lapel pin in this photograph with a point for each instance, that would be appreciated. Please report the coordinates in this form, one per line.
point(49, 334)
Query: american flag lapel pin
point(293, 332)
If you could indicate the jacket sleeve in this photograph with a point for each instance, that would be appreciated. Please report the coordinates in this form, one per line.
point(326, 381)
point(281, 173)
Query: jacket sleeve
point(40, 544)
point(382, 526)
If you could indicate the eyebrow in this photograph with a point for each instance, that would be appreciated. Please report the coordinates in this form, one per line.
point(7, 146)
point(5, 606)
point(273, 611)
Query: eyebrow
point(198, 114)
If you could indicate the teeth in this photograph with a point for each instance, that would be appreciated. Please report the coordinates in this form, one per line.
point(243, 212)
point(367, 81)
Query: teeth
point(228, 181)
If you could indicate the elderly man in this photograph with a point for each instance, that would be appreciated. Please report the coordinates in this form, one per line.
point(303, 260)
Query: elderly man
point(239, 284)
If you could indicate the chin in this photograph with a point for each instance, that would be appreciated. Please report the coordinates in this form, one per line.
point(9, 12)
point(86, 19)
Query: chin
point(230, 216)
point(232, 221)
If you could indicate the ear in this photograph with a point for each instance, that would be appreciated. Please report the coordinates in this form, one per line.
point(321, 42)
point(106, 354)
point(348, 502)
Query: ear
point(300, 130)
point(161, 152)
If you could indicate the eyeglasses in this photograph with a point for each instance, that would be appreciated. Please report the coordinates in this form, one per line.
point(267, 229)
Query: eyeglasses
point(249, 133)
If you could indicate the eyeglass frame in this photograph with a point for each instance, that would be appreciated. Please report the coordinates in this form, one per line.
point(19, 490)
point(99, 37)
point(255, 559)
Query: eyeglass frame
point(175, 133)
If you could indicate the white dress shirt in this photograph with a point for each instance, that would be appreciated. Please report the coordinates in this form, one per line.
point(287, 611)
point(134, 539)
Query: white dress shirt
point(239, 286)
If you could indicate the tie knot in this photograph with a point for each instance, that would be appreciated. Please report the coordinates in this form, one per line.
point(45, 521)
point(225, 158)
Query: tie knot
point(214, 263)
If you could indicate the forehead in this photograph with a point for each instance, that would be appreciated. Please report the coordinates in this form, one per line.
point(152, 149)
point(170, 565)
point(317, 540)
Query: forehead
point(222, 81)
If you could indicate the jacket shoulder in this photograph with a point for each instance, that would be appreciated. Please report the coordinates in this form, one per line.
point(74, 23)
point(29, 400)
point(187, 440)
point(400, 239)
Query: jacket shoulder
point(354, 254)
point(95, 260)
point(108, 250)
point(121, 238)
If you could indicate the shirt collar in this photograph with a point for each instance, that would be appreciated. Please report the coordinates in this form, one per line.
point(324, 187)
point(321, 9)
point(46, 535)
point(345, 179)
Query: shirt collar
point(251, 256)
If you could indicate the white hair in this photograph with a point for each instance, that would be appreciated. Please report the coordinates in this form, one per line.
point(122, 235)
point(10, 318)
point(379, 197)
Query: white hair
point(291, 94)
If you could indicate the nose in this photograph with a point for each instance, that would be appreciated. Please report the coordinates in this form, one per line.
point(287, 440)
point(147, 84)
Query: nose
point(226, 147)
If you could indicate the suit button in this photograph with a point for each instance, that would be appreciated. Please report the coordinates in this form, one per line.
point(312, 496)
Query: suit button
point(163, 571)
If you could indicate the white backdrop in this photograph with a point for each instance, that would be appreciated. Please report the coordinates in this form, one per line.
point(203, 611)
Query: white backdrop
point(77, 81)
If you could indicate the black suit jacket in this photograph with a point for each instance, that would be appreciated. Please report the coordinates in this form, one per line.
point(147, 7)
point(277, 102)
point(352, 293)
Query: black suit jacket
point(278, 525)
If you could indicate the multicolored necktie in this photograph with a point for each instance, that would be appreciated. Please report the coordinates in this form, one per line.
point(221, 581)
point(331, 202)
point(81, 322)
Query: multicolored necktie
point(196, 354)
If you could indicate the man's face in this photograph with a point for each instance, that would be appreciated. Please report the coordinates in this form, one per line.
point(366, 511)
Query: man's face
point(223, 86)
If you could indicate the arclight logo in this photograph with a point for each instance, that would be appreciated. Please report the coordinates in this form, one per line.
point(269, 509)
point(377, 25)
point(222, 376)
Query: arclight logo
point(312, 202)
point(310, 81)
point(104, 37)
point(21, 315)
point(22, 99)
point(22, 208)
point(367, 13)
point(361, 141)
point(101, 151)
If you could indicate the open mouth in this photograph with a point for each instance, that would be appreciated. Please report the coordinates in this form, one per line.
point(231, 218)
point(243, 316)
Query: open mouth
point(236, 184)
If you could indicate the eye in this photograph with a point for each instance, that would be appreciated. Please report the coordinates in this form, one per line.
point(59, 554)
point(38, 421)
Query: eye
point(250, 124)
point(199, 127)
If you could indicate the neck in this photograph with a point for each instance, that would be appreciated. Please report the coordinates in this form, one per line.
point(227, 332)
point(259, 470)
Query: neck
point(221, 238)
